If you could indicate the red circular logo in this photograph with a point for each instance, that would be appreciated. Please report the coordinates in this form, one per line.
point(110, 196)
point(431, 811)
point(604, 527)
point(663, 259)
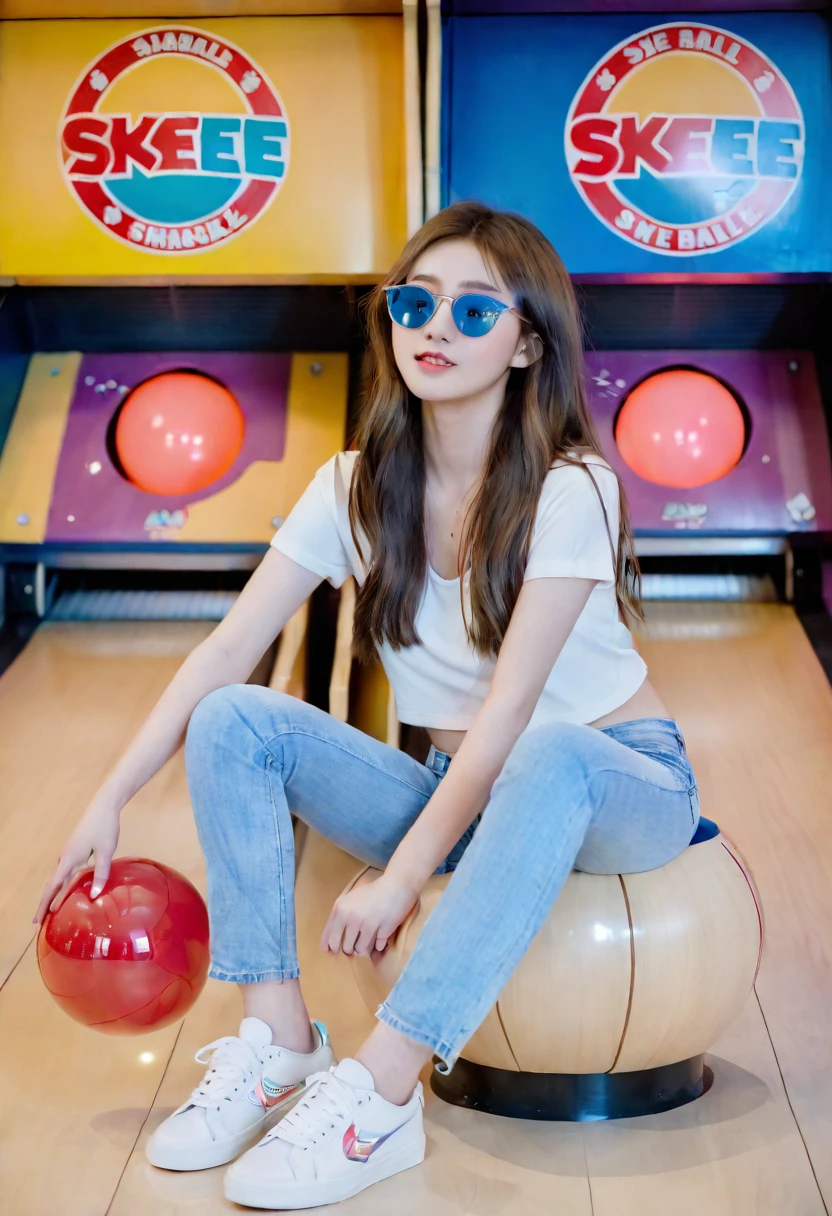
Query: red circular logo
point(684, 139)
point(174, 182)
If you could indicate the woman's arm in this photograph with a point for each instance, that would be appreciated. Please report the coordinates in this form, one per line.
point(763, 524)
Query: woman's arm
point(269, 599)
point(272, 595)
point(543, 618)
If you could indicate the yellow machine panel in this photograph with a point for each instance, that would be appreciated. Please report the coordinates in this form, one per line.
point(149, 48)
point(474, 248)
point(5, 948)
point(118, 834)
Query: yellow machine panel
point(237, 149)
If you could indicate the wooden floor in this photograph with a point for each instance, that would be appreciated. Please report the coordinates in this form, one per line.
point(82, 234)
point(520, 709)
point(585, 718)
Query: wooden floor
point(757, 712)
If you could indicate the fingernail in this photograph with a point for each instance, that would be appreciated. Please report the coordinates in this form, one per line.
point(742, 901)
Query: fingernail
point(95, 892)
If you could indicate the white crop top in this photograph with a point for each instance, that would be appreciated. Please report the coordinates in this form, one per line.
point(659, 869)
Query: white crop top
point(443, 682)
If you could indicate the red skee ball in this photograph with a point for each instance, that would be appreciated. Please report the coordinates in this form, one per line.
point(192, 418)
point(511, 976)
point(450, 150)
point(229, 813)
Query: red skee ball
point(135, 958)
point(178, 432)
point(680, 428)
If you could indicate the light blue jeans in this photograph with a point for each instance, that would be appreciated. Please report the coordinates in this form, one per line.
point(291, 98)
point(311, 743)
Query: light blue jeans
point(617, 800)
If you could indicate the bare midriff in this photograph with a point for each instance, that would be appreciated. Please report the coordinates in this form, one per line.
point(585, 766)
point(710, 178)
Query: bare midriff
point(645, 703)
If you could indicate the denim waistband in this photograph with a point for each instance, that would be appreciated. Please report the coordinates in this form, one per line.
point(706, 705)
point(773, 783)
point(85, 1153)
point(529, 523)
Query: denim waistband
point(640, 732)
point(438, 761)
point(643, 732)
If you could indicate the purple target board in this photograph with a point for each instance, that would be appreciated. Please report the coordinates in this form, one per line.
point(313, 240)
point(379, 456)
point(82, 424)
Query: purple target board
point(93, 502)
point(782, 483)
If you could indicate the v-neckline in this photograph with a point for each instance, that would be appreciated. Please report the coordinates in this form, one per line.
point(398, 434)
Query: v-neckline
point(446, 582)
point(434, 574)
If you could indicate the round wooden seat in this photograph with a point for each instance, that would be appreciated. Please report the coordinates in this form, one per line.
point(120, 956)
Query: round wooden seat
point(630, 980)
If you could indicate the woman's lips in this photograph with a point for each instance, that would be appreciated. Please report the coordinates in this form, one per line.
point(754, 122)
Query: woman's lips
point(432, 361)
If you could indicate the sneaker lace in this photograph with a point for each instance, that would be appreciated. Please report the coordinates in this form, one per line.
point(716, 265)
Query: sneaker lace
point(327, 1098)
point(232, 1060)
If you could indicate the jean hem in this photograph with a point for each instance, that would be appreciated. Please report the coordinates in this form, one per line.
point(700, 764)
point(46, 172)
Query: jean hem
point(252, 977)
point(439, 1047)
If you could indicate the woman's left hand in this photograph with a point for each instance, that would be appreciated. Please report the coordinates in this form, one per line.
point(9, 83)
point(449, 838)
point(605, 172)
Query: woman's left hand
point(365, 918)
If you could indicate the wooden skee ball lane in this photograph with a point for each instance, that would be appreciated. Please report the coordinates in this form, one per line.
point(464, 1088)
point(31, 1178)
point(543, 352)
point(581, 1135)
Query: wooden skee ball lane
point(757, 711)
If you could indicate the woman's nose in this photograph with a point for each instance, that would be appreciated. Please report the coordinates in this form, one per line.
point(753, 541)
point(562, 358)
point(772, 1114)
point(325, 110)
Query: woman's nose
point(441, 324)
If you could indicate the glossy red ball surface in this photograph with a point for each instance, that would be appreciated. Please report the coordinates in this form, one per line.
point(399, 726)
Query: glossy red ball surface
point(178, 433)
point(680, 428)
point(135, 958)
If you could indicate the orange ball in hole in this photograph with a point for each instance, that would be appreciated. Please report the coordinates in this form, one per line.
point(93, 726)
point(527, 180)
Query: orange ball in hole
point(178, 433)
point(680, 428)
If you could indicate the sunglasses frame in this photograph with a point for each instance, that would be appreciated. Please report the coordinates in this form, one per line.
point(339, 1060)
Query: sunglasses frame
point(499, 306)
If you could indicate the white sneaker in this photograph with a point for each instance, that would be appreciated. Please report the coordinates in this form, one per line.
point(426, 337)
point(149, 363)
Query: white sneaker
point(248, 1085)
point(340, 1138)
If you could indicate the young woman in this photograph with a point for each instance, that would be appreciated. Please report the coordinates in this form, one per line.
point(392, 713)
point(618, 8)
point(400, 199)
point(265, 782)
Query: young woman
point(495, 563)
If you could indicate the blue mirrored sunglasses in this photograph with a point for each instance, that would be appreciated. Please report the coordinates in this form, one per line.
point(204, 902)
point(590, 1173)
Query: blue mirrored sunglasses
point(474, 315)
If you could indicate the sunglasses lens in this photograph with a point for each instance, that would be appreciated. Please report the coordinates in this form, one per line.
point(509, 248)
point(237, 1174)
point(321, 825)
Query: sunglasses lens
point(411, 307)
point(476, 315)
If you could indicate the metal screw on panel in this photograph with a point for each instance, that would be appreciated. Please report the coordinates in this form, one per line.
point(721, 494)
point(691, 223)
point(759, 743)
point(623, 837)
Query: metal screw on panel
point(23, 520)
point(28, 589)
point(95, 467)
point(766, 459)
point(70, 519)
point(277, 522)
point(316, 368)
point(56, 371)
point(793, 365)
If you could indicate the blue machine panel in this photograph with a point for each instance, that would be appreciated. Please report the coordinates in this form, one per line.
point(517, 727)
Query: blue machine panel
point(648, 144)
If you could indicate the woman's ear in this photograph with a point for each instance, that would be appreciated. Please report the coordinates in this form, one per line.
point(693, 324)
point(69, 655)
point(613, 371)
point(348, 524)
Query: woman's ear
point(529, 350)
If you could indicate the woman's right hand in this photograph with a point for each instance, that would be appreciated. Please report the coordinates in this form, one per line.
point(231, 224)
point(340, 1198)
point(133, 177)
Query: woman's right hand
point(96, 834)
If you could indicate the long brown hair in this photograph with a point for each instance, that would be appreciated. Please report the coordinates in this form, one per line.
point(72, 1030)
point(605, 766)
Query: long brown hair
point(544, 417)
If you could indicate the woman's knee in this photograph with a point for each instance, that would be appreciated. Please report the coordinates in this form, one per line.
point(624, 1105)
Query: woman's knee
point(212, 715)
point(244, 710)
point(228, 742)
point(545, 762)
point(550, 746)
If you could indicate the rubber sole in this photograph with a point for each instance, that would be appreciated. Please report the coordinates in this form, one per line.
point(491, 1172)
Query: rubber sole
point(254, 1193)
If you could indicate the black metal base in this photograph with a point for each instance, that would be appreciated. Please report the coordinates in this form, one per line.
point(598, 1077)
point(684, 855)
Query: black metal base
point(576, 1097)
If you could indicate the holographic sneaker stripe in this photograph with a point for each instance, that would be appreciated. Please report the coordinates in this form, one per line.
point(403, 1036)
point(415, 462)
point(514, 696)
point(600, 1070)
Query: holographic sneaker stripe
point(267, 1094)
point(359, 1146)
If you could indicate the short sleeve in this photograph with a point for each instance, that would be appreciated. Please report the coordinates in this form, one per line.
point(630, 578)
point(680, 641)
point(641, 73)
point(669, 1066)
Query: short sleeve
point(570, 537)
point(310, 535)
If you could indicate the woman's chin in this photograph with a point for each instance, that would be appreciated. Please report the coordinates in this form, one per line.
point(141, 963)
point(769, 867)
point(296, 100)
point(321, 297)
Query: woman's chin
point(445, 385)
